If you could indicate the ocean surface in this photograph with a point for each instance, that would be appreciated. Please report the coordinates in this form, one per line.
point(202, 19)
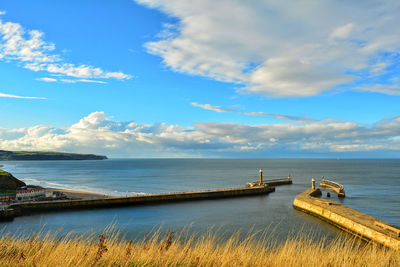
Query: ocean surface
point(372, 186)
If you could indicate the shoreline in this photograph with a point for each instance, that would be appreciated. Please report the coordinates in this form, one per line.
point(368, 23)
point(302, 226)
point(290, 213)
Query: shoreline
point(75, 194)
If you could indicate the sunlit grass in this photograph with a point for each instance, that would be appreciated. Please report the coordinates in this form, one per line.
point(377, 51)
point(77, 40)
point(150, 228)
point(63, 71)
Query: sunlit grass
point(176, 249)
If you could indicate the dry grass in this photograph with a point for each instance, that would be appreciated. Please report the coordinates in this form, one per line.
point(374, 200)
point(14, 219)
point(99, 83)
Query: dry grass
point(174, 249)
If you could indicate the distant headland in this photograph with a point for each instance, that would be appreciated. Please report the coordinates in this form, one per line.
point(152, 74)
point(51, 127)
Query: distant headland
point(34, 155)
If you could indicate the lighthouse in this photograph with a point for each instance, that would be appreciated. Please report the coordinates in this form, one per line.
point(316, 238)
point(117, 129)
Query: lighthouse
point(261, 182)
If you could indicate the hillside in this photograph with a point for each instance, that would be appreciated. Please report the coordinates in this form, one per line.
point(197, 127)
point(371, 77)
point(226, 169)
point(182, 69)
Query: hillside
point(9, 182)
point(30, 155)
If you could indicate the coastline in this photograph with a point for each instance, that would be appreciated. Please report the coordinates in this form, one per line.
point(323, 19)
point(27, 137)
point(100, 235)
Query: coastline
point(75, 194)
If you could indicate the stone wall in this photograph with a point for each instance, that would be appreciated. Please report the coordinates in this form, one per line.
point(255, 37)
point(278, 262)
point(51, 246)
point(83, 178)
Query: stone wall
point(348, 219)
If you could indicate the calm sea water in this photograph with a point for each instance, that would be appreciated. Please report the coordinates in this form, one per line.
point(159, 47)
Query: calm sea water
point(371, 186)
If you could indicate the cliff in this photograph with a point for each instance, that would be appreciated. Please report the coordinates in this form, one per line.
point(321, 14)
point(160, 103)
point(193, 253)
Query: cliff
point(9, 182)
point(30, 155)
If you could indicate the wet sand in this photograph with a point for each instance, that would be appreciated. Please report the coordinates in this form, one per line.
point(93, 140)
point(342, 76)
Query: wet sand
point(73, 194)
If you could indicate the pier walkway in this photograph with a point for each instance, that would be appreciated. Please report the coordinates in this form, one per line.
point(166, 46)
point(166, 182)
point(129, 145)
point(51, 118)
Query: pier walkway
point(347, 219)
point(26, 207)
point(277, 182)
point(336, 187)
point(273, 182)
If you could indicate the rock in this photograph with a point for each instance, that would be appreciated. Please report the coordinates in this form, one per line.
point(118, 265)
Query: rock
point(9, 182)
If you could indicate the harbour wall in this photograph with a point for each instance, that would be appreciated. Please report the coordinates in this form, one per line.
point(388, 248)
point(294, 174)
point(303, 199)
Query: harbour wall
point(336, 187)
point(274, 182)
point(6, 214)
point(347, 219)
point(278, 182)
point(26, 207)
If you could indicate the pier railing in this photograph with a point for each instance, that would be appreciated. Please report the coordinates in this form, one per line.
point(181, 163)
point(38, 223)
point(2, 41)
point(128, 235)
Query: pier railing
point(338, 188)
point(334, 184)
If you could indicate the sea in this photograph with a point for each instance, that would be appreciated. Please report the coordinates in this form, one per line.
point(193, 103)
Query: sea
point(371, 185)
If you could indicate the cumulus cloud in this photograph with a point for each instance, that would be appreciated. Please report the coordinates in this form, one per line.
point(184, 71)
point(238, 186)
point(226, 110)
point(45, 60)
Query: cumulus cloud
point(97, 133)
point(264, 114)
point(22, 97)
point(278, 48)
point(29, 49)
point(291, 77)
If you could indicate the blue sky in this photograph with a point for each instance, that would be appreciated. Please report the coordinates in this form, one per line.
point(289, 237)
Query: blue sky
point(157, 78)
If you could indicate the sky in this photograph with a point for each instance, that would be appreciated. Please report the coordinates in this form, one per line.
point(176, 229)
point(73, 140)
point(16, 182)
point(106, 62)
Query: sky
point(201, 79)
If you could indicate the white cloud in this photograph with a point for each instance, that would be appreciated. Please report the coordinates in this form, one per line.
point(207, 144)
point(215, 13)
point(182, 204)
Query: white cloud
point(22, 97)
point(67, 81)
point(90, 81)
point(231, 110)
point(2, 12)
point(210, 107)
point(390, 89)
point(116, 75)
point(46, 79)
point(278, 48)
point(97, 133)
point(290, 77)
point(30, 50)
point(342, 32)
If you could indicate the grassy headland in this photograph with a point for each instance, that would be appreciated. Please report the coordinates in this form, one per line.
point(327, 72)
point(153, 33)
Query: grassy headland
point(31, 155)
point(178, 250)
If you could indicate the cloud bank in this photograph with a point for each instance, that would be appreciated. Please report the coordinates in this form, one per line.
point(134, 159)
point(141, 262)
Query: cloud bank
point(281, 48)
point(28, 49)
point(97, 133)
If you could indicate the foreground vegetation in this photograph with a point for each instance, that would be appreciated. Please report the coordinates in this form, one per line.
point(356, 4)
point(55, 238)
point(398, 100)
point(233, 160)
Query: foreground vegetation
point(177, 250)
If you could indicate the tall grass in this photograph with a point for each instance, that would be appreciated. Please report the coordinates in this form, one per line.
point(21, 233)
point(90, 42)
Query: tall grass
point(176, 249)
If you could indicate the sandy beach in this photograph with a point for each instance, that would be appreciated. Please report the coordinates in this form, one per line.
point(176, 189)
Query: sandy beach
point(73, 194)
